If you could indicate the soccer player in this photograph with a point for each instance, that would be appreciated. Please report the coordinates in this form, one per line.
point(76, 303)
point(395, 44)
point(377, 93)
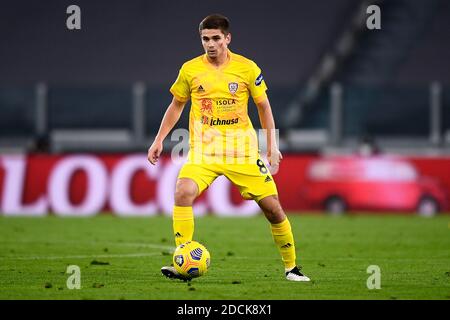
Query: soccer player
point(222, 140)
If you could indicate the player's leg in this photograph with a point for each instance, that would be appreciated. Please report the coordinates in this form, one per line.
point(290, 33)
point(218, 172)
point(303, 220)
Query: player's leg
point(255, 182)
point(186, 191)
point(282, 236)
point(192, 181)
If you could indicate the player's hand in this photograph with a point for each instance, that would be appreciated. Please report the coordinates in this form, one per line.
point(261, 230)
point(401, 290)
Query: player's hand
point(154, 152)
point(274, 157)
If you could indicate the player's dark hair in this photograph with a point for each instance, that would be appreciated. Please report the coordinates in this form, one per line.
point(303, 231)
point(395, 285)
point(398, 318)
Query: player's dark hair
point(215, 21)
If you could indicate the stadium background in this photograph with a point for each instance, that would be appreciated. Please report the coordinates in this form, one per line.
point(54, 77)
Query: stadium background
point(335, 87)
point(364, 120)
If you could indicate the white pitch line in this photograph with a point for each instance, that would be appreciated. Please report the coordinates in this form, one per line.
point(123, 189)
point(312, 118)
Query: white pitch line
point(129, 255)
point(127, 244)
point(342, 259)
point(171, 249)
point(146, 245)
point(139, 255)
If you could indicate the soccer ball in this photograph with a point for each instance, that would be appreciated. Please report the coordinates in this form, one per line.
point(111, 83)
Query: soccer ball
point(191, 259)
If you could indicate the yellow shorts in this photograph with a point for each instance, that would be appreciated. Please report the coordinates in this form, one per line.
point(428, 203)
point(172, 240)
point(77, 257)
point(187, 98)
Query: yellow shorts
point(253, 180)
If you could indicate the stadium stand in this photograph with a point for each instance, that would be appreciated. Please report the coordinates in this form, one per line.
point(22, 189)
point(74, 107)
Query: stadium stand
point(57, 85)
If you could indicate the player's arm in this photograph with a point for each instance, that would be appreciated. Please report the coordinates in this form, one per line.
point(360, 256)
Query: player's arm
point(267, 122)
point(171, 117)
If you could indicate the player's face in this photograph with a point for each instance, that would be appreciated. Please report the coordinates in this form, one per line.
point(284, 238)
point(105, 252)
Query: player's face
point(215, 42)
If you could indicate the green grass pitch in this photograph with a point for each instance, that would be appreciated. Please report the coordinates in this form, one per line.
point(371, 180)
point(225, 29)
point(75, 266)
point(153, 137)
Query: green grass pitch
point(120, 258)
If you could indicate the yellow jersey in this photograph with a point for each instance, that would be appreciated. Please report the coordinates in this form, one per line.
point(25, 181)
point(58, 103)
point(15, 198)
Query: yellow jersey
point(219, 126)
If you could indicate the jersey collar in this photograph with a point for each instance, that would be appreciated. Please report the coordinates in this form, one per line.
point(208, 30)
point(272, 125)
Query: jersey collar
point(230, 57)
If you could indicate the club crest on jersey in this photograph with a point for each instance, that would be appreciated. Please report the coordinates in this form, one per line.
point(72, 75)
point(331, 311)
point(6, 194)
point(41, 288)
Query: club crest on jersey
point(259, 80)
point(233, 86)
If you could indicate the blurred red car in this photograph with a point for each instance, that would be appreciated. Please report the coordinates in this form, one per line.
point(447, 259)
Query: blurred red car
point(377, 183)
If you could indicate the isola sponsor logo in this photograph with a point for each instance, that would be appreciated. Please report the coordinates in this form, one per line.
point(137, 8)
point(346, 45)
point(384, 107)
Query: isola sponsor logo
point(225, 102)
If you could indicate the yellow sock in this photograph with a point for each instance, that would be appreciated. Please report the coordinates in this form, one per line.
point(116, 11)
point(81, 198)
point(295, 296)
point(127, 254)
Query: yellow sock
point(284, 239)
point(183, 224)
